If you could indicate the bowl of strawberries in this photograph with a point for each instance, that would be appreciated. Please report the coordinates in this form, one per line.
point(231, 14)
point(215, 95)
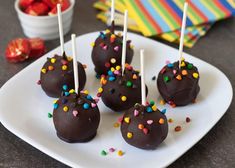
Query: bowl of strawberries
point(38, 18)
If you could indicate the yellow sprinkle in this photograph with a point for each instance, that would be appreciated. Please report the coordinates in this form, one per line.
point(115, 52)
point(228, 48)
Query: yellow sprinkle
point(85, 92)
point(161, 121)
point(170, 120)
point(53, 60)
point(154, 107)
point(118, 67)
point(195, 75)
point(55, 101)
point(127, 120)
point(123, 98)
point(120, 153)
point(132, 46)
point(64, 67)
point(65, 108)
point(72, 91)
point(162, 102)
point(113, 60)
point(100, 90)
point(112, 69)
point(116, 125)
point(93, 44)
point(182, 58)
point(119, 34)
point(69, 58)
point(44, 70)
point(129, 135)
point(182, 64)
point(107, 31)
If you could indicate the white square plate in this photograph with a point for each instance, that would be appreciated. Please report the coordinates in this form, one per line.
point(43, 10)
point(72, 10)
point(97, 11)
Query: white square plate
point(24, 108)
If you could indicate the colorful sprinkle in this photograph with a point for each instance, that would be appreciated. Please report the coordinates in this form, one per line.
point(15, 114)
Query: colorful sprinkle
point(161, 121)
point(113, 60)
point(154, 107)
point(64, 62)
point(66, 94)
point(49, 115)
point(86, 92)
point(53, 60)
point(136, 112)
point(167, 62)
point(149, 109)
point(50, 68)
point(178, 128)
point(151, 102)
point(100, 90)
point(55, 106)
point(162, 102)
point(141, 126)
point(163, 70)
point(107, 64)
point(118, 67)
point(123, 98)
point(112, 69)
point(72, 91)
point(116, 48)
point(116, 125)
point(127, 120)
point(112, 38)
point(190, 66)
point(134, 76)
point(93, 105)
point(92, 44)
point(132, 46)
point(170, 120)
point(39, 82)
point(86, 106)
point(103, 153)
point(129, 135)
point(145, 130)
point(182, 64)
point(69, 58)
point(112, 78)
point(120, 153)
point(195, 75)
point(166, 79)
point(105, 47)
point(65, 87)
point(44, 70)
point(149, 122)
point(111, 150)
point(179, 77)
point(102, 35)
point(128, 83)
point(107, 31)
point(64, 67)
point(65, 108)
point(163, 111)
point(188, 119)
point(174, 71)
point(184, 72)
point(170, 65)
point(75, 113)
point(120, 119)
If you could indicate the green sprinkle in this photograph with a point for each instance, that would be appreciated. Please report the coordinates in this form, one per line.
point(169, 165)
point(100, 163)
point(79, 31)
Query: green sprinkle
point(152, 102)
point(128, 83)
point(190, 66)
point(166, 79)
point(49, 115)
point(103, 153)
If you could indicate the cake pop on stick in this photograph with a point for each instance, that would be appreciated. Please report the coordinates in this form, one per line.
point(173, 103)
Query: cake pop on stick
point(57, 72)
point(107, 49)
point(75, 63)
point(124, 40)
point(76, 115)
point(143, 125)
point(178, 82)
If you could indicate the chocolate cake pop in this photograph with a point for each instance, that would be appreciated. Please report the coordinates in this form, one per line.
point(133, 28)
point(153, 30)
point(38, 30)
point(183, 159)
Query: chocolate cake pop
point(178, 86)
point(76, 117)
point(57, 72)
point(107, 51)
point(120, 92)
point(144, 126)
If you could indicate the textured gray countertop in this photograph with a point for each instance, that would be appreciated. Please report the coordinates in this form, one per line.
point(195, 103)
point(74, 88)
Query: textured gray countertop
point(216, 149)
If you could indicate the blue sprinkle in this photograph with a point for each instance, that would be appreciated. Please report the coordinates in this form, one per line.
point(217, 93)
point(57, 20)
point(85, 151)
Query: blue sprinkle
point(111, 78)
point(89, 97)
point(65, 87)
point(149, 109)
point(64, 101)
point(163, 111)
point(102, 35)
point(86, 106)
point(66, 93)
point(110, 73)
point(56, 106)
point(170, 65)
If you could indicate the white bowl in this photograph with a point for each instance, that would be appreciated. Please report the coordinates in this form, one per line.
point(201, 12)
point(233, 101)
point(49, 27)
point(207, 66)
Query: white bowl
point(45, 27)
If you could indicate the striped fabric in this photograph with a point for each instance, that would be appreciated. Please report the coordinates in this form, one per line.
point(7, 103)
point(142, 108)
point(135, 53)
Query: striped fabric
point(162, 18)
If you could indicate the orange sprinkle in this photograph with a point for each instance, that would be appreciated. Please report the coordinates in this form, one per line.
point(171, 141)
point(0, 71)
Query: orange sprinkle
point(161, 121)
point(50, 68)
point(141, 126)
point(178, 128)
point(179, 77)
point(184, 72)
point(116, 125)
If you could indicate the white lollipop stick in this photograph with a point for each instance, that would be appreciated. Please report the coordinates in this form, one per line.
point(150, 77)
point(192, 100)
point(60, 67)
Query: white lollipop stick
point(124, 41)
point(75, 64)
point(143, 89)
point(182, 33)
point(60, 28)
point(112, 11)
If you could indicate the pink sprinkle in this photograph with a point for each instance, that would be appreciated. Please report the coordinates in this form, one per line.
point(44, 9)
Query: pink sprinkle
point(105, 47)
point(93, 105)
point(75, 113)
point(167, 62)
point(145, 130)
point(116, 72)
point(111, 150)
point(96, 100)
point(82, 91)
point(150, 122)
point(39, 82)
point(174, 71)
point(116, 48)
point(136, 112)
point(120, 119)
point(64, 62)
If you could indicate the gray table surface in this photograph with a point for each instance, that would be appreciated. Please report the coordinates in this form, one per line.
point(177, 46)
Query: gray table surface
point(216, 149)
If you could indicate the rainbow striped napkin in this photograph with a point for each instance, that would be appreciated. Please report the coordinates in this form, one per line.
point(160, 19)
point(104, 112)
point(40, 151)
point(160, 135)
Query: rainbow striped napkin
point(162, 18)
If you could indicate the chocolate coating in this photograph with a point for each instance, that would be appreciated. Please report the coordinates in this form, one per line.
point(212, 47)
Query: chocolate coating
point(114, 90)
point(53, 80)
point(183, 90)
point(77, 124)
point(146, 130)
point(107, 53)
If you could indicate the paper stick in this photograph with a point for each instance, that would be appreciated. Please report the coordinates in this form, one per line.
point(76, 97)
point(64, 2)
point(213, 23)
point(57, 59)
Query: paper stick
point(75, 64)
point(112, 11)
point(124, 41)
point(143, 89)
point(60, 28)
point(182, 33)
